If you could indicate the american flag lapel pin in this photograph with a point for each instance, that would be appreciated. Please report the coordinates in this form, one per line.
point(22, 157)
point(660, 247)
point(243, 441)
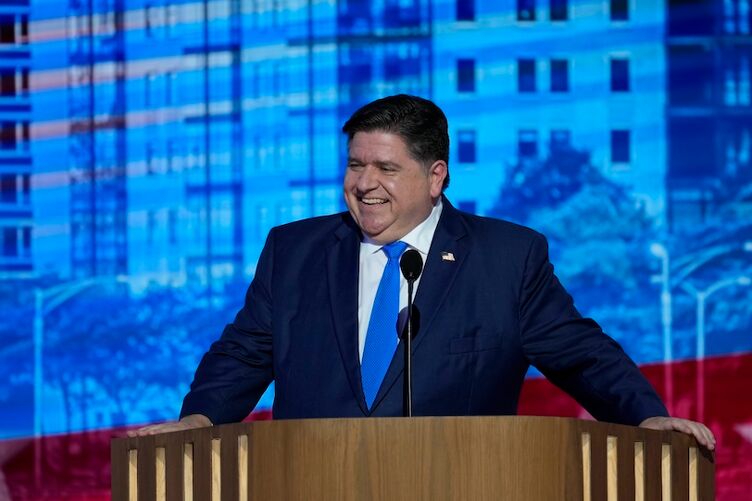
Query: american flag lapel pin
point(447, 256)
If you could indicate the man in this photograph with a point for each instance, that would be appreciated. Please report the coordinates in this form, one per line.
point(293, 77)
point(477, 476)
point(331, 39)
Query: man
point(321, 314)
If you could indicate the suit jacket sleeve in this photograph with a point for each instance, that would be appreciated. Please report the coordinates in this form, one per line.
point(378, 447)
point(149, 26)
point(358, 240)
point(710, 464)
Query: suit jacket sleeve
point(574, 353)
point(238, 367)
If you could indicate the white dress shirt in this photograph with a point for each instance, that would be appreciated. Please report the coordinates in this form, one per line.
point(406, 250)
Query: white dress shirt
point(372, 264)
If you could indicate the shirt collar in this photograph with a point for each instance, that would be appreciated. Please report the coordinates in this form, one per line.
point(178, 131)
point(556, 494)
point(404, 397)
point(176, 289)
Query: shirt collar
point(419, 237)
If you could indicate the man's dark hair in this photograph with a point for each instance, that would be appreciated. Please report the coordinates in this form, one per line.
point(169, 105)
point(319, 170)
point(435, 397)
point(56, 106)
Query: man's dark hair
point(419, 122)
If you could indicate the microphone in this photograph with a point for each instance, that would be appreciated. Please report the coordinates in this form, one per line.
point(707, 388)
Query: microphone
point(411, 265)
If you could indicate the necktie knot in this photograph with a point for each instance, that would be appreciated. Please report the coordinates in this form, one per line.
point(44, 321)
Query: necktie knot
point(394, 250)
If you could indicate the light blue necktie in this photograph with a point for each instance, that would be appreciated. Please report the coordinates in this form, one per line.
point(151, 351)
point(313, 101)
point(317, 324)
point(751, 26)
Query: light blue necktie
point(381, 337)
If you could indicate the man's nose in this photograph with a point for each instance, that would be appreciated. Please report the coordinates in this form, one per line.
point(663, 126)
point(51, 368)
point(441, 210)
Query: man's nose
point(368, 179)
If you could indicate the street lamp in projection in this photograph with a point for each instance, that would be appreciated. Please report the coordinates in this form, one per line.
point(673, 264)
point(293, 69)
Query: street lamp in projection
point(701, 296)
point(661, 252)
point(47, 300)
point(673, 273)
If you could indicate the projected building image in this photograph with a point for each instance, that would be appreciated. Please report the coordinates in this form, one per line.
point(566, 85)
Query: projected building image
point(147, 147)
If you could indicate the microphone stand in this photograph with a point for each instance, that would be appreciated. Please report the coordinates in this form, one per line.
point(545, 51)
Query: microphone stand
point(407, 408)
point(411, 265)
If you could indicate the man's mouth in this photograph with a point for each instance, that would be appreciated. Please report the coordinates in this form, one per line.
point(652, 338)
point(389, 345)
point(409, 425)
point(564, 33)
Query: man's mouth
point(374, 201)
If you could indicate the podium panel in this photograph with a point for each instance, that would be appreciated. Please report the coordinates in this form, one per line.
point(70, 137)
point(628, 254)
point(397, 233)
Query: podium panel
point(436, 458)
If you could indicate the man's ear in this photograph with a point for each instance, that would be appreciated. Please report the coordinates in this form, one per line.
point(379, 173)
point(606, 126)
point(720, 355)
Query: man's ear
point(436, 175)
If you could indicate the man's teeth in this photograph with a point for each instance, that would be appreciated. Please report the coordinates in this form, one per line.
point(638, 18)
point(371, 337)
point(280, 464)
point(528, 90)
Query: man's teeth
point(373, 201)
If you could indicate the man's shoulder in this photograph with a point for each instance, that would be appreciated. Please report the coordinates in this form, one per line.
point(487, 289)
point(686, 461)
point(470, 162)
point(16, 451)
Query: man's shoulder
point(313, 227)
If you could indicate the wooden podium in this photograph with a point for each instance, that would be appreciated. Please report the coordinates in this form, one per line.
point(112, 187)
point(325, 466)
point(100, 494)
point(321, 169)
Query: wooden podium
point(425, 458)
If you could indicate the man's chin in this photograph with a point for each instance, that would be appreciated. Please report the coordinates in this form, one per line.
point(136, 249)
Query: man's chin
point(377, 234)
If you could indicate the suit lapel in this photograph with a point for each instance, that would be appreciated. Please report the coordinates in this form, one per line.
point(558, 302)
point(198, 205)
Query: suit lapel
point(342, 274)
point(435, 282)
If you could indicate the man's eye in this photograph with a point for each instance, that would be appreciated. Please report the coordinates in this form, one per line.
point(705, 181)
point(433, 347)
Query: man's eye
point(353, 165)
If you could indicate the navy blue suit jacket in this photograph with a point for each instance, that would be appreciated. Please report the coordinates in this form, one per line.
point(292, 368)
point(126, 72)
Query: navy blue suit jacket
point(485, 317)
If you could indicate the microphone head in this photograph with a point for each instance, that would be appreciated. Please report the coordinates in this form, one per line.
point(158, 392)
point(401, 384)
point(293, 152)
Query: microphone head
point(411, 265)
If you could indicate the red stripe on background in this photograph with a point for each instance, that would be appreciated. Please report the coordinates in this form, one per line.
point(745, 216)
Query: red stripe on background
point(76, 466)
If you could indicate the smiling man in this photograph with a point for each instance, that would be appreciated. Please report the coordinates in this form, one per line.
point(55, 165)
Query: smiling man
point(321, 315)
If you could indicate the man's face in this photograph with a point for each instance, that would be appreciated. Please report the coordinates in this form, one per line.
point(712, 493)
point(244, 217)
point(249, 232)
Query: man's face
point(387, 191)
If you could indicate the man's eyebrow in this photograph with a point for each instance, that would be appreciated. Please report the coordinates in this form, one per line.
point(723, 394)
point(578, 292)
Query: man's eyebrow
point(377, 163)
point(386, 164)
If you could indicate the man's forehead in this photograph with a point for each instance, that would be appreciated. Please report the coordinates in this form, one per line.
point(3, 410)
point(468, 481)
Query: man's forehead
point(376, 146)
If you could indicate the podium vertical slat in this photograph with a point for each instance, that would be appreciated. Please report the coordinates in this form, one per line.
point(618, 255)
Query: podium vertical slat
point(229, 472)
point(625, 465)
point(188, 470)
point(587, 466)
point(202, 464)
point(639, 470)
point(680, 468)
point(216, 469)
point(161, 481)
point(706, 466)
point(243, 467)
point(652, 452)
point(666, 469)
point(174, 461)
point(598, 472)
point(132, 474)
point(612, 468)
point(147, 469)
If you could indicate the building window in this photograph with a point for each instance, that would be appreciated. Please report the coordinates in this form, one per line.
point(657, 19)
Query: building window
point(105, 22)
point(25, 135)
point(171, 83)
point(466, 147)
point(737, 143)
point(172, 226)
point(14, 29)
point(149, 85)
point(26, 189)
point(174, 156)
point(8, 135)
point(465, 10)
point(14, 82)
point(737, 90)
point(173, 19)
point(619, 75)
point(8, 190)
point(151, 225)
point(559, 10)
point(620, 147)
point(526, 75)
point(150, 19)
point(7, 82)
point(560, 140)
point(692, 75)
point(526, 10)
point(736, 17)
point(559, 75)
point(24, 29)
point(619, 10)
point(527, 144)
point(151, 159)
point(465, 75)
point(10, 242)
point(26, 235)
